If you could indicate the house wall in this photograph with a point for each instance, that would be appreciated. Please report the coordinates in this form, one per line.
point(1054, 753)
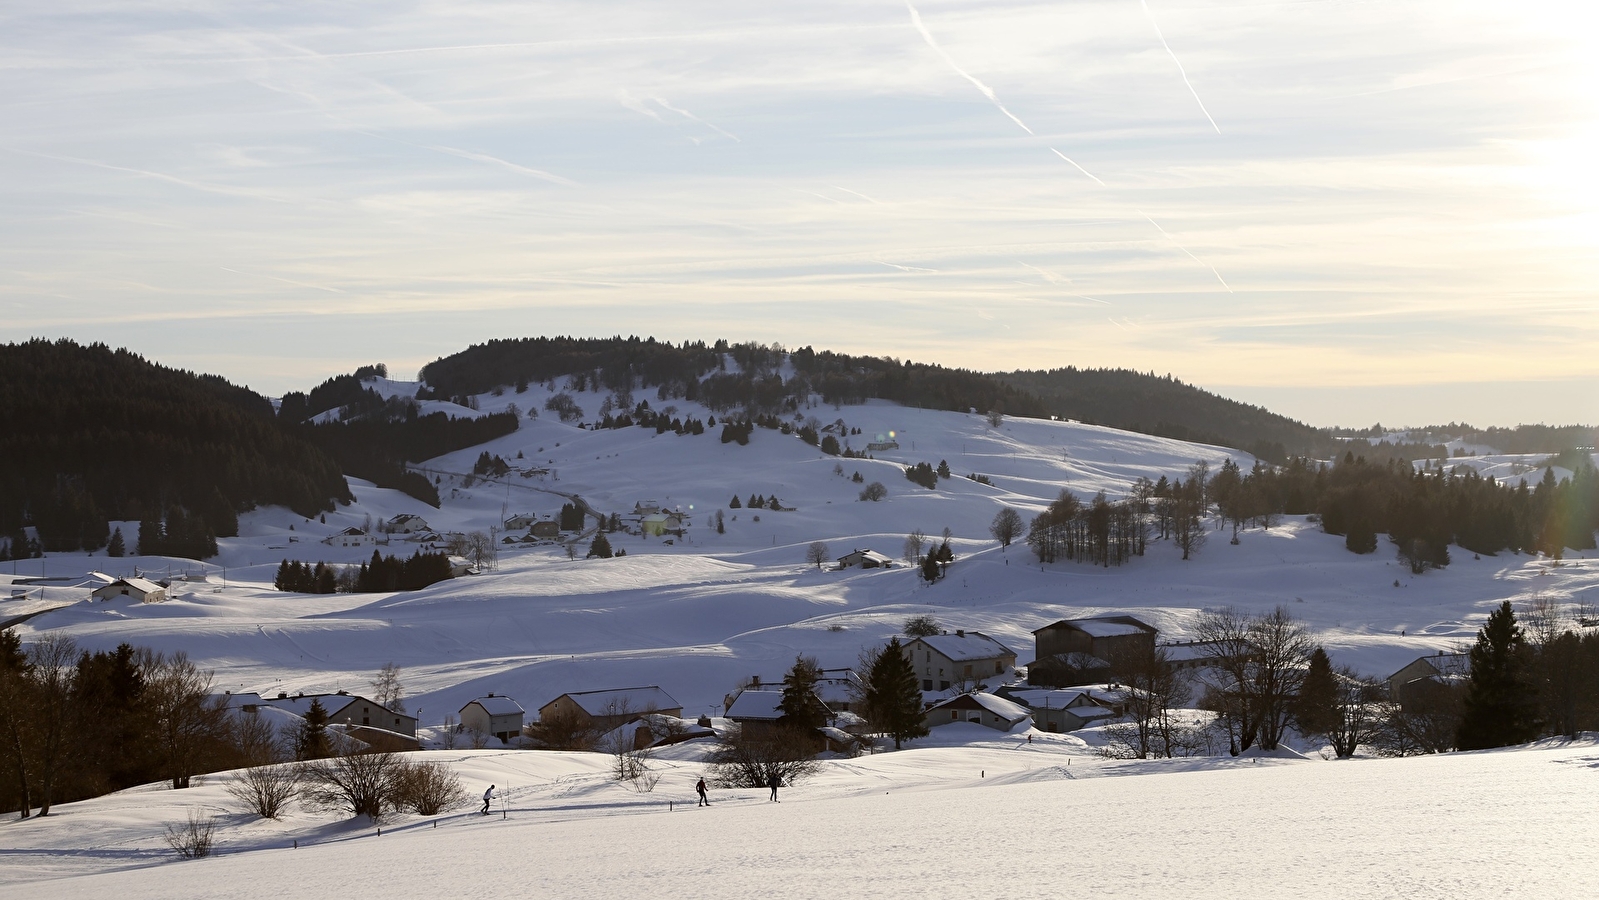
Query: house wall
point(933, 667)
point(503, 727)
point(366, 712)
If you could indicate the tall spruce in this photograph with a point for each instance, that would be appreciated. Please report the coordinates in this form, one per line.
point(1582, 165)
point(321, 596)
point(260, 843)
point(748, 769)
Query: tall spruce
point(893, 701)
point(800, 706)
point(1500, 704)
point(1315, 710)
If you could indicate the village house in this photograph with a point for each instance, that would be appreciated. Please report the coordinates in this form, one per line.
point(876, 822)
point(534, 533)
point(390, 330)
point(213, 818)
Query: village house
point(138, 589)
point(758, 714)
point(1425, 676)
point(837, 688)
point(646, 508)
point(605, 710)
point(661, 524)
point(520, 522)
point(1066, 709)
point(545, 529)
point(1077, 650)
point(405, 523)
point(963, 658)
point(364, 719)
point(987, 710)
point(350, 537)
point(497, 716)
point(866, 559)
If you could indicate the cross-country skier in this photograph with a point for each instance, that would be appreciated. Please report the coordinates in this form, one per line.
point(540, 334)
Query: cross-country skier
point(487, 796)
point(700, 789)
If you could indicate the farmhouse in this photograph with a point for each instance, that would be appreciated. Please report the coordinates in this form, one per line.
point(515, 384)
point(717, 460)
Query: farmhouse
point(140, 589)
point(351, 710)
point(519, 522)
point(964, 657)
point(1060, 710)
point(866, 559)
point(604, 710)
point(499, 716)
point(1416, 681)
point(660, 524)
point(350, 537)
point(405, 523)
point(1075, 650)
point(545, 528)
point(983, 709)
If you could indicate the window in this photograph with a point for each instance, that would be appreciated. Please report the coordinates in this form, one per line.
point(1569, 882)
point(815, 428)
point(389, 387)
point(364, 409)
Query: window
point(927, 684)
point(943, 685)
point(968, 671)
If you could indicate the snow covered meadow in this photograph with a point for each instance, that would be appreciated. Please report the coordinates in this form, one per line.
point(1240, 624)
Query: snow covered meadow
point(698, 615)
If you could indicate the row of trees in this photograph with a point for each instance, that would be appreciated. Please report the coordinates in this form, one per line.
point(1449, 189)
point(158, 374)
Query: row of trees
point(381, 574)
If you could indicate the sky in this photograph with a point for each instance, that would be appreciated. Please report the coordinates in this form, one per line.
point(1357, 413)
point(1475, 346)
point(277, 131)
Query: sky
point(1346, 211)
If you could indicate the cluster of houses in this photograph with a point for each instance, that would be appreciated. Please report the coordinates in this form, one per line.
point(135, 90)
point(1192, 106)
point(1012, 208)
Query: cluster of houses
point(966, 677)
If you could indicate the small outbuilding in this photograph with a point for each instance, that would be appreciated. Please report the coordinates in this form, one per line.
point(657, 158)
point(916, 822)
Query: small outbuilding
point(499, 716)
point(984, 709)
point(138, 589)
point(605, 710)
point(350, 537)
point(866, 559)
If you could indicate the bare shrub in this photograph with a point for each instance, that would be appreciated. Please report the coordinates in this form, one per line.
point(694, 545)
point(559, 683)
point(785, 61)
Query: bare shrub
point(751, 762)
point(362, 784)
point(266, 790)
point(921, 626)
point(193, 839)
point(559, 731)
point(428, 788)
point(874, 491)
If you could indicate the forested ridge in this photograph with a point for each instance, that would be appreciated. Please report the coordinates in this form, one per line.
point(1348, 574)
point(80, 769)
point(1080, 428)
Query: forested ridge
point(94, 434)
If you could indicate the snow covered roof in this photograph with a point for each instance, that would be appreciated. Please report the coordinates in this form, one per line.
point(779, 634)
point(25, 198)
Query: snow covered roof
point(1107, 626)
point(235, 701)
point(760, 705)
point(964, 645)
point(619, 700)
point(999, 706)
point(498, 706)
point(1049, 698)
point(1092, 712)
point(143, 585)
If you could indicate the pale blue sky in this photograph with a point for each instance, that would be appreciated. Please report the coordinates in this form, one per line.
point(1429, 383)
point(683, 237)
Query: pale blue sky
point(1394, 216)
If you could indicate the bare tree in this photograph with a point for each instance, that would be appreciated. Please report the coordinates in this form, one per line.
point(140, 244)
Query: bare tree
point(481, 550)
point(558, 731)
point(913, 546)
point(788, 754)
point(193, 839)
point(266, 790)
point(387, 689)
point(1256, 665)
point(362, 784)
point(50, 667)
point(1153, 690)
point(1359, 707)
point(921, 626)
point(1006, 527)
point(816, 553)
point(187, 724)
point(995, 418)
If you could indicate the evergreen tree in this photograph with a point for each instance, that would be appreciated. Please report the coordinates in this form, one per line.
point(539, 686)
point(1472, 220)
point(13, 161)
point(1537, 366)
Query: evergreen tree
point(1315, 710)
point(930, 567)
point(116, 547)
point(943, 469)
point(312, 740)
point(800, 706)
point(734, 503)
point(1500, 698)
point(601, 547)
point(893, 701)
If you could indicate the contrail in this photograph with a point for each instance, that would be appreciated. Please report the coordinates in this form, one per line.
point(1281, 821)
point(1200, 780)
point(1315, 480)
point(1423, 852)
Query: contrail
point(331, 290)
point(1186, 250)
point(1074, 163)
point(916, 19)
point(856, 193)
point(690, 116)
point(1180, 69)
point(495, 160)
point(904, 268)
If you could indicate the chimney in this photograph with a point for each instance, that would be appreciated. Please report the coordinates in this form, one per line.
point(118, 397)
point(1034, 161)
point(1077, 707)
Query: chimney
point(283, 695)
point(960, 632)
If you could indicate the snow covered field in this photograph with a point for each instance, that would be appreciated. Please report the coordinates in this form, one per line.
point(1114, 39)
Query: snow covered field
point(700, 614)
point(985, 819)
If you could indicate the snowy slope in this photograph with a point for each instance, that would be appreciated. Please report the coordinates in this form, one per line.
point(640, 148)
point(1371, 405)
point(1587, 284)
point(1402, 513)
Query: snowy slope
point(984, 819)
point(701, 614)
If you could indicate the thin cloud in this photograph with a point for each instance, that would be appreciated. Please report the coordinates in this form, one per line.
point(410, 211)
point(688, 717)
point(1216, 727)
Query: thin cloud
point(495, 160)
point(693, 118)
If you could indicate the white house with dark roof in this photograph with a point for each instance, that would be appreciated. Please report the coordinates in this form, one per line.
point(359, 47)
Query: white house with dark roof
point(350, 537)
point(866, 559)
point(964, 657)
point(406, 523)
point(980, 708)
point(347, 709)
point(605, 710)
point(138, 589)
point(498, 716)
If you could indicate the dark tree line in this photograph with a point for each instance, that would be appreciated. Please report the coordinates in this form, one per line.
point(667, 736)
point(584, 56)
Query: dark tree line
point(381, 574)
point(95, 434)
point(76, 724)
point(378, 446)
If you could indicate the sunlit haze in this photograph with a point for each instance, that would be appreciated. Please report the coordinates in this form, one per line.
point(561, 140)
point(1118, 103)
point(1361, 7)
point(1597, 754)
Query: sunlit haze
point(1344, 211)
